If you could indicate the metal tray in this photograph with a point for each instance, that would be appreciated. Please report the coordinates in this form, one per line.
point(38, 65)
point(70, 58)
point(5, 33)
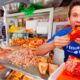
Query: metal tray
point(31, 71)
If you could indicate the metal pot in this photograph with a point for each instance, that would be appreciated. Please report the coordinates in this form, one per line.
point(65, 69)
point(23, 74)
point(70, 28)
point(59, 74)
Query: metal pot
point(47, 3)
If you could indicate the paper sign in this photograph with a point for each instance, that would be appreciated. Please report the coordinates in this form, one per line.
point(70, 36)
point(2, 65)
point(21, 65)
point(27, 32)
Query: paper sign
point(42, 27)
point(31, 24)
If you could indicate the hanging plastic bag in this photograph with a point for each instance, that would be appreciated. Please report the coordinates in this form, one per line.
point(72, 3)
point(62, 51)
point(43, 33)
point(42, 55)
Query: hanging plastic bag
point(28, 11)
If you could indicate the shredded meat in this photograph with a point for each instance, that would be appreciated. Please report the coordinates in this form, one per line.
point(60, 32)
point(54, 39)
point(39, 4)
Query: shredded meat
point(22, 58)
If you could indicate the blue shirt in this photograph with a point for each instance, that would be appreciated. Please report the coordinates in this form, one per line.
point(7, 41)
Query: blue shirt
point(72, 48)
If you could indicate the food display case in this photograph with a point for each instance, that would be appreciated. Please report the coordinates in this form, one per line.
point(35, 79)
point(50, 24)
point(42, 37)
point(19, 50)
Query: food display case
point(36, 28)
point(40, 17)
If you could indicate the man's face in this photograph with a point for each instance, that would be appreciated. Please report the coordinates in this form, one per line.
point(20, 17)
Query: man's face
point(75, 16)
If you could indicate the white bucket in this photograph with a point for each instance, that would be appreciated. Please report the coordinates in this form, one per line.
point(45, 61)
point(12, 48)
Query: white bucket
point(58, 56)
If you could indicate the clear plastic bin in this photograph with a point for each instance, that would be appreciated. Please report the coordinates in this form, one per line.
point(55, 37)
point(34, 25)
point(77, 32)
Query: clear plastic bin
point(55, 74)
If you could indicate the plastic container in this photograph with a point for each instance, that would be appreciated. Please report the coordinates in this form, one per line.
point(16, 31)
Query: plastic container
point(58, 56)
point(56, 73)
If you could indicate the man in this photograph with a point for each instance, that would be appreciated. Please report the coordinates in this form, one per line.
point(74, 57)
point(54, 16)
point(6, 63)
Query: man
point(59, 40)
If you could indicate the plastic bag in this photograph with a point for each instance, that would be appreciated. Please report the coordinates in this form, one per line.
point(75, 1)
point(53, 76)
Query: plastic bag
point(28, 11)
point(73, 66)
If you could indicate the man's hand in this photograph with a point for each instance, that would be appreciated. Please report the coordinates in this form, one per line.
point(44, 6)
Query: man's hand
point(61, 41)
